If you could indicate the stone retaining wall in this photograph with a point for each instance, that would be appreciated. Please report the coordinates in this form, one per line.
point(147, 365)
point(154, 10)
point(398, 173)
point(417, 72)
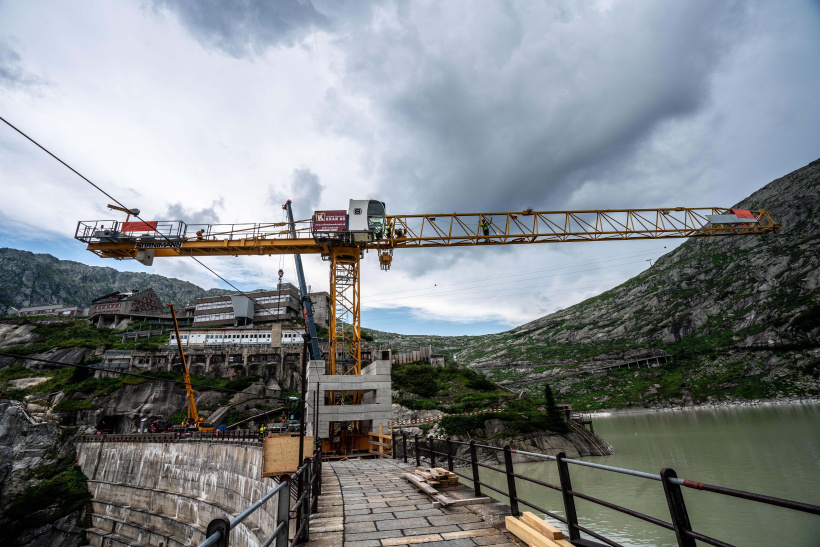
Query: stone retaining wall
point(147, 493)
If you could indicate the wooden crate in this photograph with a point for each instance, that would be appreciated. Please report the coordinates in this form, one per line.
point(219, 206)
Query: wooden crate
point(282, 453)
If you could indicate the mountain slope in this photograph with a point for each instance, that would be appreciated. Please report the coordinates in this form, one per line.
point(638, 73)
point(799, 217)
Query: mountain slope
point(31, 279)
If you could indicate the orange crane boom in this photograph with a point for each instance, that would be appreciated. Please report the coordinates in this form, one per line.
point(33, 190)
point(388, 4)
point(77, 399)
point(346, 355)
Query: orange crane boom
point(193, 415)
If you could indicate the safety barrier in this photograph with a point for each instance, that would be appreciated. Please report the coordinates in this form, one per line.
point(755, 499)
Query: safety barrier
point(668, 478)
point(303, 487)
point(244, 436)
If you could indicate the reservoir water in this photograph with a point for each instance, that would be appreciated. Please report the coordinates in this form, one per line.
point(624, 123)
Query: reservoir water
point(771, 449)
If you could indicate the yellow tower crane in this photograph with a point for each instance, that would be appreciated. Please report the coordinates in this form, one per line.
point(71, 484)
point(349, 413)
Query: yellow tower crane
point(343, 236)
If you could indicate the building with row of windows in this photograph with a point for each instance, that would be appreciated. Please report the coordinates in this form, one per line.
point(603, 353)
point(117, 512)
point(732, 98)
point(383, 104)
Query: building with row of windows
point(51, 309)
point(259, 308)
point(126, 303)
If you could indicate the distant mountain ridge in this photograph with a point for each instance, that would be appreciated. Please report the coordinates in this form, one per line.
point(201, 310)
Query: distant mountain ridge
point(29, 279)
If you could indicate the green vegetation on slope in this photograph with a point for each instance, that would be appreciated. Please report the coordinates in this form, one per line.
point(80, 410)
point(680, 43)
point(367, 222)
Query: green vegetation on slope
point(72, 380)
point(457, 390)
point(698, 378)
point(62, 491)
point(78, 333)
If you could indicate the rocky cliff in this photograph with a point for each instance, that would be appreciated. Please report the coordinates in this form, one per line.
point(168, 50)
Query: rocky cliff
point(31, 279)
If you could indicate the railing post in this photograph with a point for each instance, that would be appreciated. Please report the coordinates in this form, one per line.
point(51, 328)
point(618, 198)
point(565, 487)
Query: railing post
point(474, 463)
point(432, 452)
point(317, 456)
point(569, 501)
point(449, 454)
point(393, 443)
point(306, 503)
point(418, 454)
point(677, 508)
point(300, 487)
point(513, 495)
point(314, 485)
point(404, 446)
point(283, 512)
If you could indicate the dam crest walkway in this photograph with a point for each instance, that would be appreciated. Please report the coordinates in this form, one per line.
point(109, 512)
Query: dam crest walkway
point(368, 503)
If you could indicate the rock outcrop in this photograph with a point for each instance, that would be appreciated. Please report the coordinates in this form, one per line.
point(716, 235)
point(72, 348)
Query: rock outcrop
point(31, 279)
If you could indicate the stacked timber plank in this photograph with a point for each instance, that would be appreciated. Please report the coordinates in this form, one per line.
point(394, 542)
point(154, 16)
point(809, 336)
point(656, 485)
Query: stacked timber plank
point(438, 477)
point(535, 532)
point(424, 484)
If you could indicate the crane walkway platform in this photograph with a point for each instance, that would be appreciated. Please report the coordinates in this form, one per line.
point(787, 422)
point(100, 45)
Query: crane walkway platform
point(368, 503)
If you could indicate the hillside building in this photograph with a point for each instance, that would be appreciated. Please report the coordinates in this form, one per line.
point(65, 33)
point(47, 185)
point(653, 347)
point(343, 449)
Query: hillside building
point(263, 306)
point(126, 303)
point(119, 308)
point(52, 309)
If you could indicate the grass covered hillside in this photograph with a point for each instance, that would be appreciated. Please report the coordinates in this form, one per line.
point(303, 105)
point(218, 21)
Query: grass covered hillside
point(458, 391)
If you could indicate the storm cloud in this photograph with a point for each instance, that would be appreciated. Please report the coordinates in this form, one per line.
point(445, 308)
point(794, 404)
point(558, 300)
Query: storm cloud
point(511, 106)
point(245, 27)
point(13, 72)
point(189, 215)
point(304, 189)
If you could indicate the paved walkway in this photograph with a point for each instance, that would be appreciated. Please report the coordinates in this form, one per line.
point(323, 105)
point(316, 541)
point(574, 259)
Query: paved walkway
point(367, 503)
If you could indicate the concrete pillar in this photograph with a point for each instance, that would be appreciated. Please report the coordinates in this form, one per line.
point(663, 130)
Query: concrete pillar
point(207, 364)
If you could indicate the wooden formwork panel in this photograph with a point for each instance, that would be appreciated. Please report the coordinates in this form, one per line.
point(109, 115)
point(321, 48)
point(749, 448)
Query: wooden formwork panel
point(282, 453)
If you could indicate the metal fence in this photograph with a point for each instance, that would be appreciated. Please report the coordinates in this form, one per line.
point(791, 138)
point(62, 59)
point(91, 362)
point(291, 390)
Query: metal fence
point(426, 447)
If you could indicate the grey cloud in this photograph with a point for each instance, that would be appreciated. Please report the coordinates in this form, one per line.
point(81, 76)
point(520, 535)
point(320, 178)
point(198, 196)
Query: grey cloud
point(509, 106)
point(304, 189)
point(13, 72)
point(206, 215)
point(246, 27)
point(517, 104)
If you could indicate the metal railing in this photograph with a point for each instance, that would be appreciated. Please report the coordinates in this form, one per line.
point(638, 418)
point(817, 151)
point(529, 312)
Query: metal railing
point(305, 485)
point(244, 436)
point(680, 525)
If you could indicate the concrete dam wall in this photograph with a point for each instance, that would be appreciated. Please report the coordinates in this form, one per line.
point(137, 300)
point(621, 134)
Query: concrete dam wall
point(166, 493)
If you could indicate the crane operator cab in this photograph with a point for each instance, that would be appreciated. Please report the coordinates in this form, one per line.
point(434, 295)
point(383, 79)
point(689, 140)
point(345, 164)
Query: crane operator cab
point(366, 220)
point(363, 222)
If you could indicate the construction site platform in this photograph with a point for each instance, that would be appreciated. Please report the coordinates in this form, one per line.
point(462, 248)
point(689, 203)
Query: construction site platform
point(369, 503)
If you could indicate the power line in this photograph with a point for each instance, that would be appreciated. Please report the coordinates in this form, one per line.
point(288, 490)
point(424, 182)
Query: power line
point(115, 200)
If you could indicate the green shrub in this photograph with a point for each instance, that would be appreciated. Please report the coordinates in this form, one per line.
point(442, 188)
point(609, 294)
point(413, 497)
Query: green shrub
point(462, 425)
point(63, 491)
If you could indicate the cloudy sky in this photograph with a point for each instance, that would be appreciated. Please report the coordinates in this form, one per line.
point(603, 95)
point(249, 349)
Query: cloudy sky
point(209, 111)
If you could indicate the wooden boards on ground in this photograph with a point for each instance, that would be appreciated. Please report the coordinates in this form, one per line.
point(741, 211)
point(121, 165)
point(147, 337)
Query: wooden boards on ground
point(441, 499)
point(535, 532)
point(438, 477)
